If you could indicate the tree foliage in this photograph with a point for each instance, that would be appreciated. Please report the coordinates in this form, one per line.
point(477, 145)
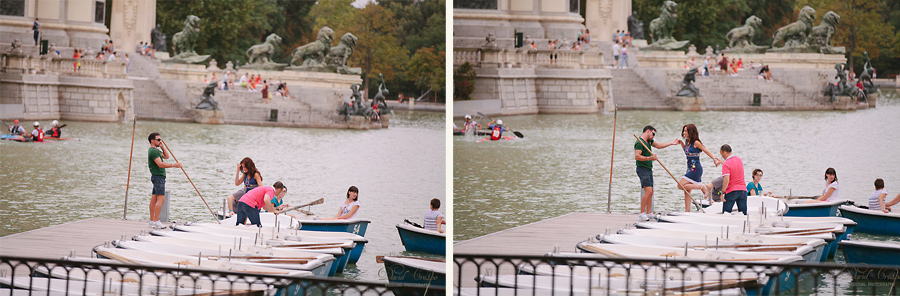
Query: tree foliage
point(463, 82)
point(378, 50)
point(426, 67)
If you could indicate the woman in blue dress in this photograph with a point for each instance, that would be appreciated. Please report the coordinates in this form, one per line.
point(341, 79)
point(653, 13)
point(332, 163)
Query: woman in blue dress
point(692, 147)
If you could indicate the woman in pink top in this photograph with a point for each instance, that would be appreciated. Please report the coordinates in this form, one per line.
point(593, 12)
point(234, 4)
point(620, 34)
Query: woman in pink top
point(256, 199)
point(350, 206)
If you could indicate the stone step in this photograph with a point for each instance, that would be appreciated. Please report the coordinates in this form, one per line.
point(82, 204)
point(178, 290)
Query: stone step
point(151, 102)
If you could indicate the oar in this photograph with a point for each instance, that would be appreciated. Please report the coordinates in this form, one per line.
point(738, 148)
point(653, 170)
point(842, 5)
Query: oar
point(517, 133)
point(128, 181)
point(670, 175)
point(192, 184)
point(315, 202)
point(611, 158)
point(380, 258)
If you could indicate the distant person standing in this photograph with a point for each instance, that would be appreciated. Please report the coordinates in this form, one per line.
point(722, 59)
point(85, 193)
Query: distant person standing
point(733, 180)
point(433, 217)
point(644, 158)
point(36, 27)
point(616, 49)
point(155, 156)
point(624, 56)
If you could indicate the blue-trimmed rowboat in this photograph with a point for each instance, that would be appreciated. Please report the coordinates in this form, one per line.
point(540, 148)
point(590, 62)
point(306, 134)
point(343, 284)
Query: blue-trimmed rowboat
point(874, 253)
point(817, 209)
point(874, 222)
point(410, 270)
point(355, 226)
point(417, 239)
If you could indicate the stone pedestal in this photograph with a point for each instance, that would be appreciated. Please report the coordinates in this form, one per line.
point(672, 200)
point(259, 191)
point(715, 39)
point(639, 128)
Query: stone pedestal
point(781, 60)
point(844, 103)
point(385, 120)
point(871, 98)
point(690, 103)
point(208, 116)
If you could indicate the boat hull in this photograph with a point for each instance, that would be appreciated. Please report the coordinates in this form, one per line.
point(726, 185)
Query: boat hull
point(823, 209)
point(422, 240)
point(357, 227)
point(401, 271)
point(873, 222)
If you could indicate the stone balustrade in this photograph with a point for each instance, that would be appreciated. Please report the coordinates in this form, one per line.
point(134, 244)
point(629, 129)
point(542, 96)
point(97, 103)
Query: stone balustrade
point(528, 58)
point(63, 66)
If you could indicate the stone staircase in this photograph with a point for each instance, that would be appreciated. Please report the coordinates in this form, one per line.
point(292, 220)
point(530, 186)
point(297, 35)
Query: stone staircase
point(142, 66)
point(737, 92)
point(152, 103)
point(631, 92)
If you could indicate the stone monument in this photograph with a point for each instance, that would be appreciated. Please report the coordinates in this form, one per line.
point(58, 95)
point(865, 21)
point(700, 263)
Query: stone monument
point(208, 103)
point(379, 102)
point(661, 29)
point(821, 35)
point(841, 88)
point(635, 26)
point(184, 43)
point(260, 56)
point(338, 56)
point(740, 39)
point(158, 39)
point(795, 36)
point(866, 77)
point(207, 111)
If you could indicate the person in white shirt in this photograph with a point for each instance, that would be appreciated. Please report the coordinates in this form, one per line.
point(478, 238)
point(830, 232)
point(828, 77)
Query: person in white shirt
point(350, 206)
point(830, 193)
point(433, 217)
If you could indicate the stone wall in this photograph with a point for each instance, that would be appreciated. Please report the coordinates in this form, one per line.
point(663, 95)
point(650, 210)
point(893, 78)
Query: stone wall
point(541, 90)
point(44, 97)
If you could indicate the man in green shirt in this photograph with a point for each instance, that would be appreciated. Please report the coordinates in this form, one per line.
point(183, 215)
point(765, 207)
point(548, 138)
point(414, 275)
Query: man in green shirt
point(644, 159)
point(155, 157)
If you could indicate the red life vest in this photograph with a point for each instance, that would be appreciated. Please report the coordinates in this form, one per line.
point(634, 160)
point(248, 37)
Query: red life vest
point(54, 132)
point(496, 133)
point(39, 137)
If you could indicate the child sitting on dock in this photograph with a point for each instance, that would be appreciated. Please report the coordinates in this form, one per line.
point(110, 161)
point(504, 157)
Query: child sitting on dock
point(876, 200)
point(433, 217)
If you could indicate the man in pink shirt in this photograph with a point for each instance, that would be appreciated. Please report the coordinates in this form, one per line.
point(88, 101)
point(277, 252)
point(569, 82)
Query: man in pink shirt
point(733, 180)
point(259, 198)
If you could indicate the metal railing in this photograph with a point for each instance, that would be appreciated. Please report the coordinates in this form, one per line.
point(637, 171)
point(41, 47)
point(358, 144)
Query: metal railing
point(69, 277)
point(588, 274)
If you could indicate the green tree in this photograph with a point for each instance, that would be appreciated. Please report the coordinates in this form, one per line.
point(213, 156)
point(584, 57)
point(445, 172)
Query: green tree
point(463, 82)
point(426, 67)
point(863, 27)
point(227, 28)
point(419, 24)
point(378, 50)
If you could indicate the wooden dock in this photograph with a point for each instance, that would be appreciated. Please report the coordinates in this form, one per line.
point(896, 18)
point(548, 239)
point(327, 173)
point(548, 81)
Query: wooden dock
point(78, 237)
point(537, 239)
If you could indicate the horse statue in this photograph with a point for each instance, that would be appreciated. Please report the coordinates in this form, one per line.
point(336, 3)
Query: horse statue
point(314, 53)
point(262, 53)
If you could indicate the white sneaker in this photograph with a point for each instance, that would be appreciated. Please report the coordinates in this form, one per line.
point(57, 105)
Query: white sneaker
point(150, 223)
point(158, 224)
point(643, 217)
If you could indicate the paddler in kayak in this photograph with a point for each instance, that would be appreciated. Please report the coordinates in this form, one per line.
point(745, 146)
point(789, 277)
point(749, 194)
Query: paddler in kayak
point(497, 129)
point(16, 129)
point(470, 125)
point(37, 135)
point(55, 131)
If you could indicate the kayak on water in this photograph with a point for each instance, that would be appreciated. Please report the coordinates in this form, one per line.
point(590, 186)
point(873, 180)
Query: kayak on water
point(477, 133)
point(504, 138)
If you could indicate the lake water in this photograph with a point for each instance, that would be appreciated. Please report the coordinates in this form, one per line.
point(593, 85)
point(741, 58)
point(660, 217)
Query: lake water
point(398, 171)
point(562, 165)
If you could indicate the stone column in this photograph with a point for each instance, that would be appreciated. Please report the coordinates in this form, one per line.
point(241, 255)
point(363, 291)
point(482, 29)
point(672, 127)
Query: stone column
point(604, 17)
point(131, 23)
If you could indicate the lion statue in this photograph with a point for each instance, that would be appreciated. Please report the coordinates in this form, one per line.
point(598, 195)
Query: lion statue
point(661, 28)
point(339, 55)
point(314, 53)
point(821, 34)
point(262, 53)
point(743, 36)
point(184, 40)
point(796, 34)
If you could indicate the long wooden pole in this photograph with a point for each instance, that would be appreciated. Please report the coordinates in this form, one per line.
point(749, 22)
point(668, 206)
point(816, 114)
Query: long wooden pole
point(192, 184)
point(128, 181)
point(673, 177)
point(611, 158)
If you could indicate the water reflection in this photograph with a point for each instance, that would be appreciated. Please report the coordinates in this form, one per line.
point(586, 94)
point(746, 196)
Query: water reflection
point(563, 163)
point(398, 170)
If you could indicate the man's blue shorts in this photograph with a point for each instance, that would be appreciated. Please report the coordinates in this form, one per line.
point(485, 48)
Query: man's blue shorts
point(159, 185)
point(646, 176)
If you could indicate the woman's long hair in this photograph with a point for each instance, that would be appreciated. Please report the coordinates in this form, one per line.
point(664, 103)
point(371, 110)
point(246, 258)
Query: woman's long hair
point(693, 134)
point(251, 168)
